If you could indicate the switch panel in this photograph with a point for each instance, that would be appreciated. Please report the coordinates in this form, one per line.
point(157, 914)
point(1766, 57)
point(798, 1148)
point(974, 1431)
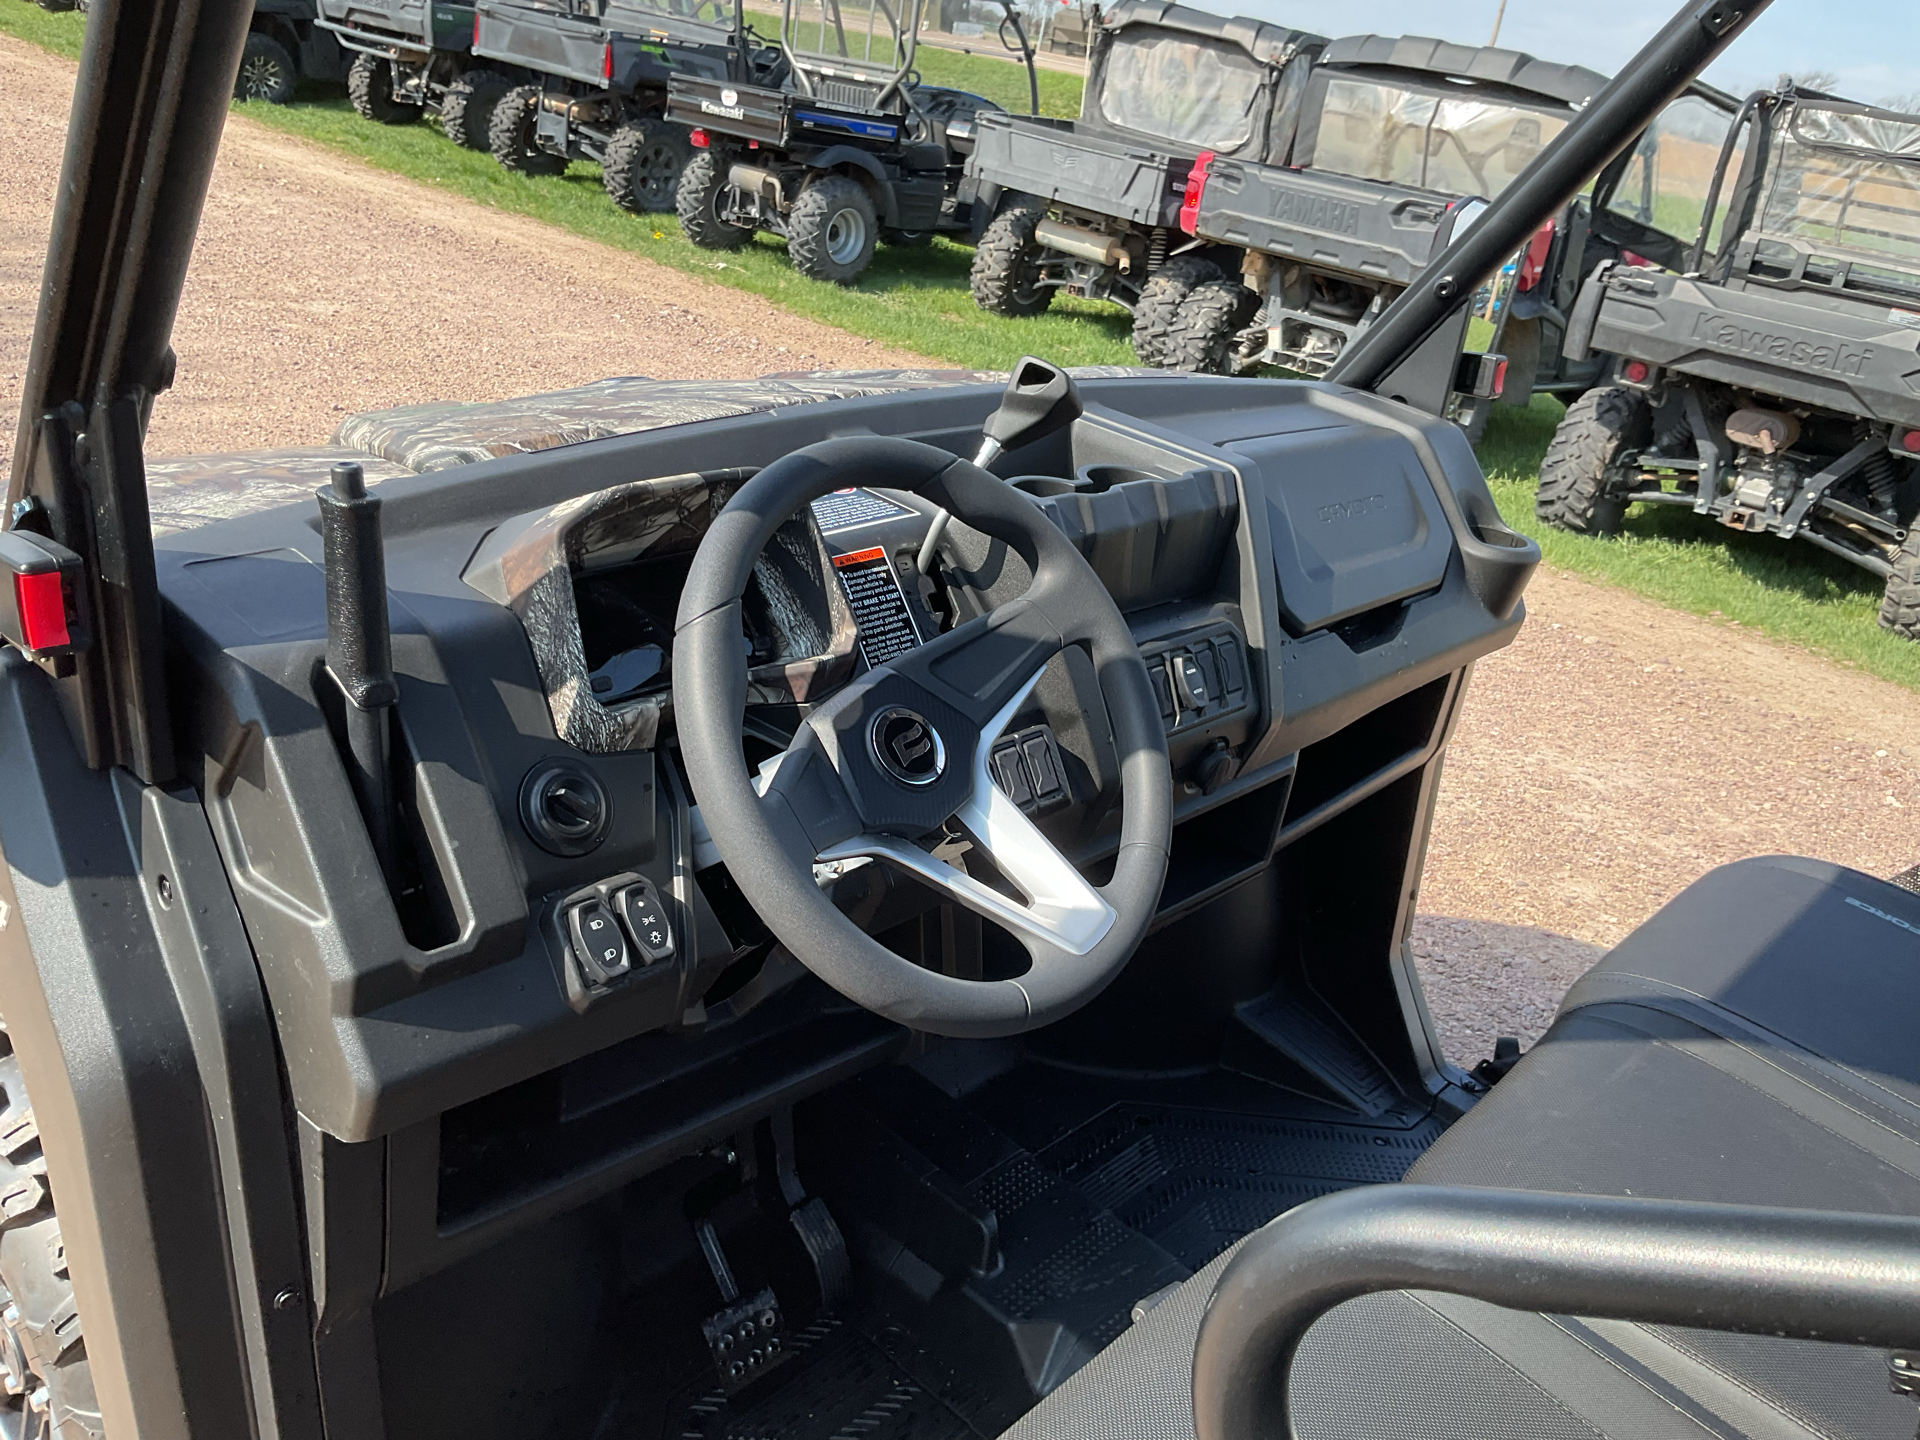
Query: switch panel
point(1026, 766)
point(614, 937)
point(1199, 677)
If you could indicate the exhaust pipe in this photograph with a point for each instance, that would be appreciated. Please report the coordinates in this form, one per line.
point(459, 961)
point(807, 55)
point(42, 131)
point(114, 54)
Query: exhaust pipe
point(756, 181)
point(1083, 244)
point(577, 110)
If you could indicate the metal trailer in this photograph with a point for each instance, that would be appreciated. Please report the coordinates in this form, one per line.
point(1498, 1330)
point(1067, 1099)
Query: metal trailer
point(415, 57)
point(1091, 207)
point(599, 86)
point(848, 151)
point(1764, 374)
point(597, 939)
point(285, 46)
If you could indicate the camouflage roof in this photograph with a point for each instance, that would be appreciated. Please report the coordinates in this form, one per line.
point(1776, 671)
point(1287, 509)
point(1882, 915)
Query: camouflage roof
point(193, 490)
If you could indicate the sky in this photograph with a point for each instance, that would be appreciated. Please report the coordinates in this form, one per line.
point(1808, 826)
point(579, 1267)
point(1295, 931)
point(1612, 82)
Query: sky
point(1872, 46)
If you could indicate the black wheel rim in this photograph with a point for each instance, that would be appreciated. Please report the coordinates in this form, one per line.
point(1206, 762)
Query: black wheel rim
point(656, 174)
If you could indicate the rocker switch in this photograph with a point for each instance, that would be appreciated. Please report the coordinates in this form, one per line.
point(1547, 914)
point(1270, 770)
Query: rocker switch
point(646, 919)
point(598, 946)
point(1189, 683)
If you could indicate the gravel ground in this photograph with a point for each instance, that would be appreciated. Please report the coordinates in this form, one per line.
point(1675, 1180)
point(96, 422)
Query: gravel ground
point(320, 287)
point(1612, 755)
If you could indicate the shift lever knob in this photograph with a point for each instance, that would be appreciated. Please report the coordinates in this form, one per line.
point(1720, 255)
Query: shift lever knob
point(1040, 399)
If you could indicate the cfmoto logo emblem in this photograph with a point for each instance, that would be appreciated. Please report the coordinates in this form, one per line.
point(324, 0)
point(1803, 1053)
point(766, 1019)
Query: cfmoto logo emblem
point(907, 747)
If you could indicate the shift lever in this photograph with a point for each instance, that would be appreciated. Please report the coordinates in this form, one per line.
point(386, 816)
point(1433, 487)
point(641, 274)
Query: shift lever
point(1040, 399)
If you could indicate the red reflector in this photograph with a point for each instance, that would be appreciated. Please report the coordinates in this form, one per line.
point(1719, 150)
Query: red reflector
point(42, 603)
point(476, 30)
point(1635, 372)
point(1196, 186)
point(1910, 442)
point(1499, 379)
point(1533, 260)
point(606, 64)
point(697, 139)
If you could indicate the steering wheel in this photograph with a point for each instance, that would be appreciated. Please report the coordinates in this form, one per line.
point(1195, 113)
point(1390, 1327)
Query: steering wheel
point(905, 748)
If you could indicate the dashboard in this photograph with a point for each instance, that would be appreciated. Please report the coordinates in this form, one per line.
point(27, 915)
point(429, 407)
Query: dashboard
point(1293, 560)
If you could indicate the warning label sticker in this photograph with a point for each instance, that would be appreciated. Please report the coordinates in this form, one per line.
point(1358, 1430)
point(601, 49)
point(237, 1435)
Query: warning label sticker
point(879, 605)
point(844, 509)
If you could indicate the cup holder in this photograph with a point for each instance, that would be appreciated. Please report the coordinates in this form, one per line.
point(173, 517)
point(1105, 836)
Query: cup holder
point(1042, 486)
point(1096, 478)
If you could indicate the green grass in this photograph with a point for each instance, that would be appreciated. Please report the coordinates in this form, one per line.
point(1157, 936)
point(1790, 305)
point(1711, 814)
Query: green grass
point(61, 33)
point(1786, 590)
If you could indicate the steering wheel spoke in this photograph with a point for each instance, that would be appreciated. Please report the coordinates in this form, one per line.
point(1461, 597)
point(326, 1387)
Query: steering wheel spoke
point(1055, 909)
point(803, 798)
point(981, 665)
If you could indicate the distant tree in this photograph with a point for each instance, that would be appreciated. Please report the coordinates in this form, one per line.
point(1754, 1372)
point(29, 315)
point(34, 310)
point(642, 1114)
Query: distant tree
point(1906, 104)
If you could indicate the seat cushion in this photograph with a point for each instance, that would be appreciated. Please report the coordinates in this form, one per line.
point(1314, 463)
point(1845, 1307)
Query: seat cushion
point(1757, 1041)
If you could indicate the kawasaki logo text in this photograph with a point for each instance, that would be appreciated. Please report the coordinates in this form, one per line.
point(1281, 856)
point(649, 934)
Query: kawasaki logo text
point(1724, 334)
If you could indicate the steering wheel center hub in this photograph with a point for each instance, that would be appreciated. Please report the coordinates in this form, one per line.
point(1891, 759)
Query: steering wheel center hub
point(907, 746)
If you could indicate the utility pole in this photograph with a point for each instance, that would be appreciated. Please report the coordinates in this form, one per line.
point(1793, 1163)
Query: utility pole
point(1499, 19)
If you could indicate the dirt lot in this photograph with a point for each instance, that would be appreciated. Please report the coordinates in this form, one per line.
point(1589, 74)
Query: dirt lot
point(1613, 754)
point(321, 287)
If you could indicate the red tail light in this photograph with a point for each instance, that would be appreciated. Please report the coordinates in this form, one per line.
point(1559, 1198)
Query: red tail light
point(1910, 442)
point(42, 604)
point(698, 139)
point(606, 63)
point(1196, 185)
point(476, 30)
point(1533, 260)
point(1635, 372)
point(1500, 379)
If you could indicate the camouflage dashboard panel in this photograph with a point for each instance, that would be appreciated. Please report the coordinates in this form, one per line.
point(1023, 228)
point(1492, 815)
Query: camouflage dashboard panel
point(434, 437)
point(186, 492)
point(530, 565)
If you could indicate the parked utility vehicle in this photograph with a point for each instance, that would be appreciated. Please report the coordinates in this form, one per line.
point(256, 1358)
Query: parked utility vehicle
point(851, 150)
point(1767, 379)
point(599, 90)
point(415, 57)
point(1399, 142)
point(607, 940)
point(284, 46)
point(1091, 207)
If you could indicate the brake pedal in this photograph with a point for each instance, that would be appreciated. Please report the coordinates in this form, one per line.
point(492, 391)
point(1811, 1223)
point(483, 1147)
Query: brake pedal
point(747, 1337)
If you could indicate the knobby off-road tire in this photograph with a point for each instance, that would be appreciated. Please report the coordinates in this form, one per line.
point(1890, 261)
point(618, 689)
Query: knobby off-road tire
point(1006, 263)
point(1201, 333)
point(1900, 606)
point(510, 135)
point(832, 230)
point(643, 165)
point(466, 113)
point(697, 201)
point(1157, 313)
point(267, 71)
point(1579, 489)
point(370, 88)
point(43, 1352)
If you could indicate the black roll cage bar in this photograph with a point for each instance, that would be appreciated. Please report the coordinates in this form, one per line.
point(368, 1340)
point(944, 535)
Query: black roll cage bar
point(1807, 1274)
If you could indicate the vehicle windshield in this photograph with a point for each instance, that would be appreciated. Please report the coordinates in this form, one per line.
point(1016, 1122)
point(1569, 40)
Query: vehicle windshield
point(1665, 184)
point(1845, 183)
point(1454, 145)
point(1181, 87)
